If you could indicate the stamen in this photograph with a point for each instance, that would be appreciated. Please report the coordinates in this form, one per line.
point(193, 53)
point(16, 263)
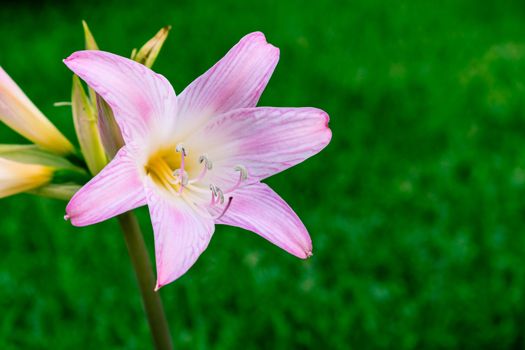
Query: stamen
point(208, 165)
point(221, 195)
point(225, 209)
point(243, 175)
point(204, 213)
point(213, 194)
point(207, 162)
point(217, 196)
point(180, 177)
point(66, 217)
point(180, 148)
point(244, 172)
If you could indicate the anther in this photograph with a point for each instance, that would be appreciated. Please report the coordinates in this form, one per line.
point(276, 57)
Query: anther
point(217, 196)
point(213, 194)
point(207, 162)
point(66, 217)
point(180, 177)
point(207, 166)
point(243, 175)
point(221, 194)
point(213, 190)
point(180, 148)
point(243, 171)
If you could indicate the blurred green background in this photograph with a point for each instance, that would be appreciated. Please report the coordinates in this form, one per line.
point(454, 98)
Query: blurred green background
point(416, 209)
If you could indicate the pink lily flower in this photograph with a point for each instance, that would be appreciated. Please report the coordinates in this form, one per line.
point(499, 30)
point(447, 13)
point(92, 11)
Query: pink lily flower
point(197, 159)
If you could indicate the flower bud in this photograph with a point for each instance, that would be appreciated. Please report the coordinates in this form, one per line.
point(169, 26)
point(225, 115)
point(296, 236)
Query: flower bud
point(85, 120)
point(149, 51)
point(18, 177)
point(90, 44)
point(21, 115)
point(109, 129)
point(28, 168)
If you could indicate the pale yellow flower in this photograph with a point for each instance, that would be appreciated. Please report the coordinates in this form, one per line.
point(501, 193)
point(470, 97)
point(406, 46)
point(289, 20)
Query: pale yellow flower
point(28, 168)
point(16, 177)
point(21, 115)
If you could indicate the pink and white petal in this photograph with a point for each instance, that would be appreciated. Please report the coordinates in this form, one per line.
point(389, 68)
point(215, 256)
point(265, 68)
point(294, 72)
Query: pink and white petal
point(181, 234)
point(265, 140)
point(142, 100)
point(115, 190)
point(236, 81)
point(258, 208)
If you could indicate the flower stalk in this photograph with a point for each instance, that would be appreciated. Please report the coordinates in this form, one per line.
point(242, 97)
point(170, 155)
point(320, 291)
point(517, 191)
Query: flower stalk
point(146, 280)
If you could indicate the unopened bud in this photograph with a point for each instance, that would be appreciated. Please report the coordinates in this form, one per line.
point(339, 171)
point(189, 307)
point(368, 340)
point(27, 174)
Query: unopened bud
point(21, 115)
point(149, 51)
point(85, 121)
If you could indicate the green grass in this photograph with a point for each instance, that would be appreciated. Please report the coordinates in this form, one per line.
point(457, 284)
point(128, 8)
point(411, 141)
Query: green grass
point(416, 209)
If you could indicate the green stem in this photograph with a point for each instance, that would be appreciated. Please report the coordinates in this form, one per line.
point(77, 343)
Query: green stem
point(144, 272)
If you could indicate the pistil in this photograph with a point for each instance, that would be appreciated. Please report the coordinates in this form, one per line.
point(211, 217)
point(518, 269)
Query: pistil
point(226, 207)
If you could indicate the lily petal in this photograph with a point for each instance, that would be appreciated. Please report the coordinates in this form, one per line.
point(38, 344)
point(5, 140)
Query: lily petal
point(181, 235)
point(258, 208)
point(265, 140)
point(21, 115)
point(236, 81)
point(142, 100)
point(115, 190)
